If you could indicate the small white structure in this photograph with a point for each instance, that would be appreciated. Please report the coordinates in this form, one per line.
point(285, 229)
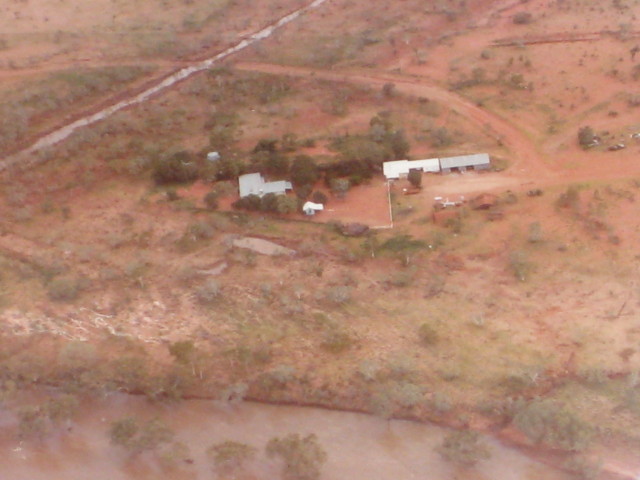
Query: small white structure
point(254, 184)
point(310, 208)
point(213, 156)
point(400, 168)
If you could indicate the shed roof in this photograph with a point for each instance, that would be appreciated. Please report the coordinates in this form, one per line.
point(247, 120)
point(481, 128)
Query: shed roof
point(395, 168)
point(426, 165)
point(465, 161)
point(250, 184)
point(254, 184)
point(281, 186)
point(312, 206)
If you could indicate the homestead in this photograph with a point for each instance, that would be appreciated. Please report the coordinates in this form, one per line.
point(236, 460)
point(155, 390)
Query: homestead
point(397, 169)
point(255, 184)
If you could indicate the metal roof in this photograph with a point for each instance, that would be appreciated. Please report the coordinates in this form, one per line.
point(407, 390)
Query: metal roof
point(396, 168)
point(254, 184)
point(250, 184)
point(465, 161)
point(426, 165)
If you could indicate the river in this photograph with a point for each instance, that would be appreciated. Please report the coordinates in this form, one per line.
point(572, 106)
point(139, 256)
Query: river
point(358, 446)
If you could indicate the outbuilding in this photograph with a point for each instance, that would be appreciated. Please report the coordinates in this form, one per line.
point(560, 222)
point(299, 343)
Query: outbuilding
point(310, 208)
point(478, 161)
point(396, 169)
point(254, 184)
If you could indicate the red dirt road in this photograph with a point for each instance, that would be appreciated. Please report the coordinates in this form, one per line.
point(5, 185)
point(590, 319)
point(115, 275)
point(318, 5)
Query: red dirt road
point(526, 159)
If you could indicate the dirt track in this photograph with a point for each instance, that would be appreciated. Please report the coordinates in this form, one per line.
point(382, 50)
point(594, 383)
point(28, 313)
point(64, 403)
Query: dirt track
point(527, 161)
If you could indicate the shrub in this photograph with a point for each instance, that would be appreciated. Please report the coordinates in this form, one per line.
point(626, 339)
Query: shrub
point(586, 136)
point(519, 265)
point(569, 199)
point(544, 421)
point(64, 288)
point(182, 351)
point(229, 457)
point(535, 233)
point(340, 186)
point(522, 18)
point(338, 295)
point(136, 438)
point(303, 457)
point(211, 200)
point(285, 204)
point(441, 137)
point(428, 335)
point(176, 168)
point(415, 178)
point(304, 171)
point(319, 197)
point(337, 341)
point(463, 448)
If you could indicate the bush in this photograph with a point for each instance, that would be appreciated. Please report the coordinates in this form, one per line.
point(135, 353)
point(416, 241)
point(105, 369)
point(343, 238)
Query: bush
point(176, 168)
point(415, 178)
point(304, 171)
point(211, 200)
point(569, 199)
point(303, 457)
point(136, 438)
point(286, 205)
point(337, 341)
point(340, 186)
point(586, 136)
point(338, 295)
point(463, 448)
point(229, 457)
point(544, 421)
point(522, 18)
point(64, 288)
point(441, 137)
point(319, 197)
point(428, 335)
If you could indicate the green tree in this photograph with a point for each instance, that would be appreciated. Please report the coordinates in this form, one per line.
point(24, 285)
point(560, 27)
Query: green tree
point(340, 187)
point(415, 178)
point(178, 167)
point(319, 197)
point(303, 457)
point(285, 204)
point(304, 170)
point(269, 202)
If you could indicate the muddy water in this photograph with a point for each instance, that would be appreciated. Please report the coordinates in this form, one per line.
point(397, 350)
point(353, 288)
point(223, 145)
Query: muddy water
point(64, 132)
point(358, 446)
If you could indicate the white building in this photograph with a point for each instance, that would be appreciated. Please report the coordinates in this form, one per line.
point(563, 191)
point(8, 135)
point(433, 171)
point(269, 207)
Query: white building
point(400, 168)
point(479, 161)
point(310, 208)
point(254, 184)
